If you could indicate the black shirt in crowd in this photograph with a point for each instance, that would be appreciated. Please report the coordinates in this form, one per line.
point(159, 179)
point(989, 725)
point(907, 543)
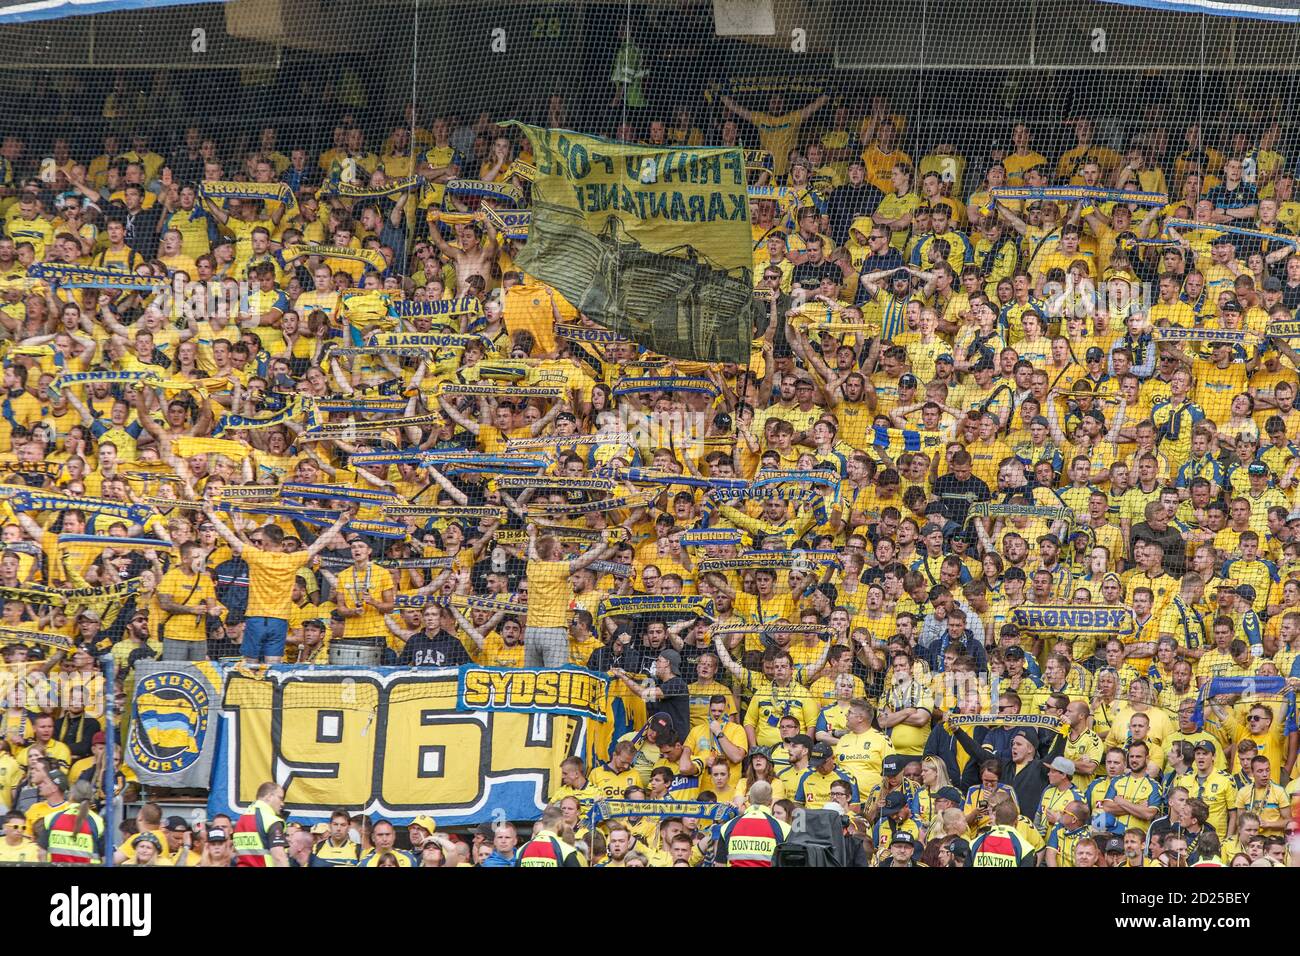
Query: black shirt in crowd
point(438, 650)
point(956, 496)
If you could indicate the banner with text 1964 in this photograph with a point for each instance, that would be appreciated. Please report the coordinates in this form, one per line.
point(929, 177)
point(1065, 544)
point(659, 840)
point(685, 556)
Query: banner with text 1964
point(394, 743)
point(652, 242)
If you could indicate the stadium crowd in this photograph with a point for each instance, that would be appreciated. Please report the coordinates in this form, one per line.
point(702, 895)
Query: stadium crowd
point(959, 403)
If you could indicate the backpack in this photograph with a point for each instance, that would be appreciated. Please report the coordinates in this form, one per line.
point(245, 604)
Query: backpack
point(819, 842)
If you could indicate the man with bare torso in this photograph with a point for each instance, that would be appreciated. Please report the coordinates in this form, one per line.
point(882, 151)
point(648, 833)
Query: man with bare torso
point(475, 255)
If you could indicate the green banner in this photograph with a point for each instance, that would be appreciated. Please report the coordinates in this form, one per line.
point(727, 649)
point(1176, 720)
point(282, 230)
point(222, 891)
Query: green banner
point(652, 243)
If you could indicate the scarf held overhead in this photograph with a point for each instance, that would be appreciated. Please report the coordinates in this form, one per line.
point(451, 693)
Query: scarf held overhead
point(438, 308)
point(1009, 720)
point(615, 605)
point(219, 189)
point(582, 333)
point(371, 257)
point(550, 481)
point(1171, 333)
point(69, 276)
point(242, 422)
point(500, 192)
point(1070, 620)
point(29, 500)
point(348, 191)
point(1085, 194)
point(630, 386)
point(1225, 229)
point(515, 391)
point(430, 340)
point(513, 225)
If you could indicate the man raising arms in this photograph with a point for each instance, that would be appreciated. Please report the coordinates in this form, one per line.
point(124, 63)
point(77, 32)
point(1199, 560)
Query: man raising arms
point(546, 631)
point(271, 571)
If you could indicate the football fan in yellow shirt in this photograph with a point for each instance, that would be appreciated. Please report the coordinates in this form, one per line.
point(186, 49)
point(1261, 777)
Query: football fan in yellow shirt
point(365, 593)
point(549, 597)
point(1072, 161)
point(906, 712)
point(860, 748)
point(882, 156)
point(1021, 157)
point(610, 780)
point(271, 572)
point(719, 740)
point(187, 596)
point(1176, 417)
point(778, 130)
point(27, 223)
point(1213, 787)
point(16, 847)
point(783, 696)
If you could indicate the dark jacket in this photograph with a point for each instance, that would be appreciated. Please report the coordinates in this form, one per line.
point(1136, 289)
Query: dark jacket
point(847, 203)
point(1029, 781)
point(969, 647)
point(230, 581)
point(943, 745)
point(141, 229)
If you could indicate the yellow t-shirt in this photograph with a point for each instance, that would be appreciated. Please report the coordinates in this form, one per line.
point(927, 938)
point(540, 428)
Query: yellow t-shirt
point(128, 847)
point(1216, 387)
point(771, 704)
point(270, 581)
point(1217, 791)
point(1016, 165)
point(1177, 313)
point(311, 301)
point(880, 165)
point(242, 232)
point(701, 741)
point(193, 227)
point(778, 135)
point(25, 852)
point(496, 653)
point(549, 593)
point(37, 230)
point(41, 810)
point(861, 755)
point(527, 307)
point(351, 591)
point(188, 590)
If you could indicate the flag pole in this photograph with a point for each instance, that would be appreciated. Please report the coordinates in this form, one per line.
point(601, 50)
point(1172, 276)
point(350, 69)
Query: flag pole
point(110, 763)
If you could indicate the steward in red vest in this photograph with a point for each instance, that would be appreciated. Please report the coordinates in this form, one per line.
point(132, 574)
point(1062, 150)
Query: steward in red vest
point(752, 838)
point(259, 838)
point(75, 833)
